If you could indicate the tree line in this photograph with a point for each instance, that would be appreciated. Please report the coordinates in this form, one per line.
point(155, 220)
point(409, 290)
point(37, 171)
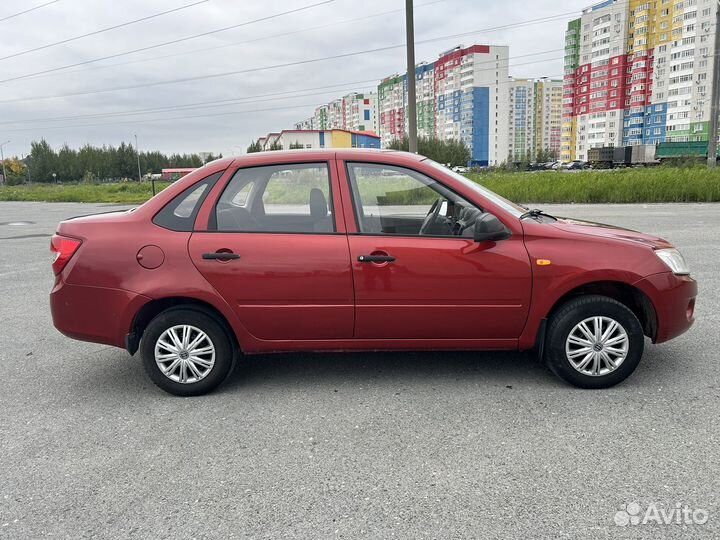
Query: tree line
point(453, 152)
point(93, 163)
point(448, 152)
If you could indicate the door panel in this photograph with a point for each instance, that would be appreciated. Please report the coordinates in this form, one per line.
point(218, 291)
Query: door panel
point(292, 280)
point(283, 286)
point(442, 288)
point(439, 283)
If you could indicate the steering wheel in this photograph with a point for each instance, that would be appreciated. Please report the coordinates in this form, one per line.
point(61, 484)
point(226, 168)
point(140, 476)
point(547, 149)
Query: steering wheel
point(432, 217)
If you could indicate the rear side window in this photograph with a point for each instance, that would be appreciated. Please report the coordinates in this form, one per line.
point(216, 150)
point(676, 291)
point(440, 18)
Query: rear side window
point(289, 198)
point(180, 213)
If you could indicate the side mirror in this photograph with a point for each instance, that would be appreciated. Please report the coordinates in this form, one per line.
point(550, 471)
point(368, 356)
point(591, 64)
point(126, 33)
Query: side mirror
point(489, 228)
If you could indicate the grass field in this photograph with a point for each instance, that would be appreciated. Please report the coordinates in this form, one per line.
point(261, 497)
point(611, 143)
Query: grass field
point(652, 185)
point(123, 192)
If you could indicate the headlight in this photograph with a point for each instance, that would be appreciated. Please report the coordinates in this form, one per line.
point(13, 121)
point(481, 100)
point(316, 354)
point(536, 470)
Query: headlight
point(674, 260)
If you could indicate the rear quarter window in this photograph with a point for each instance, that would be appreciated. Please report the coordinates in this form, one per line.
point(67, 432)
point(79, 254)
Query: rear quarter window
point(180, 213)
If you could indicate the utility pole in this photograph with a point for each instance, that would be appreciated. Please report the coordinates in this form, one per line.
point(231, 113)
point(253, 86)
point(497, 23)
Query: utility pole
point(715, 95)
point(2, 158)
point(27, 169)
point(412, 94)
point(137, 152)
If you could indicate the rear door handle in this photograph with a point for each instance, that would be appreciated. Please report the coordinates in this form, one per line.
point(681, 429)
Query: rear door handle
point(220, 256)
point(376, 259)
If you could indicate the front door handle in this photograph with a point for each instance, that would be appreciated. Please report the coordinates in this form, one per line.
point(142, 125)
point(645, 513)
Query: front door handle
point(220, 256)
point(376, 259)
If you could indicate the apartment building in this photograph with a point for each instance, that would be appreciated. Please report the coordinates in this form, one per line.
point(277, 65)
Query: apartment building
point(392, 102)
point(548, 95)
point(461, 95)
point(354, 112)
point(298, 139)
point(392, 97)
point(465, 94)
point(535, 124)
point(521, 126)
point(637, 72)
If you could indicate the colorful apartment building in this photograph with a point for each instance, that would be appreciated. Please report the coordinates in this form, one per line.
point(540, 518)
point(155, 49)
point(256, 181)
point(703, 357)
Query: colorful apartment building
point(354, 112)
point(548, 115)
point(392, 97)
point(535, 122)
point(637, 72)
point(298, 139)
point(521, 126)
point(462, 95)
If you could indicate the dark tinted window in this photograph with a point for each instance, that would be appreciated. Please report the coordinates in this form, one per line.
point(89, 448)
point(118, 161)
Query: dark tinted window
point(180, 213)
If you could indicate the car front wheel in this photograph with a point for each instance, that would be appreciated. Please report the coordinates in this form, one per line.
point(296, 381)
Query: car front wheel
point(593, 342)
point(186, 352)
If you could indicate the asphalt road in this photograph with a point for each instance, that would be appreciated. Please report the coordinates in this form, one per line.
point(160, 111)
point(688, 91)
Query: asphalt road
point(436, 445)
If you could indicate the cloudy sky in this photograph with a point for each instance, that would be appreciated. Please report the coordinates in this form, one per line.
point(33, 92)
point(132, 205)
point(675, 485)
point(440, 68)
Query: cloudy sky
point(220, 91)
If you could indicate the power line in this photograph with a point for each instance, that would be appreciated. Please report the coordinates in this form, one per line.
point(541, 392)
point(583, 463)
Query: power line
point(228, 113)
point(53, 71)
point(195, 105)
point(225, 102)
point(376, 79)
point(179, 40)
point(264, 68)
point(149, 47)
point(28, 10)
point(209, 115)
point(115, 27)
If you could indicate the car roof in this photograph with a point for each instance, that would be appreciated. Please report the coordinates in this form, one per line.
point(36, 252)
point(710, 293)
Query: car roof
point(327, 153)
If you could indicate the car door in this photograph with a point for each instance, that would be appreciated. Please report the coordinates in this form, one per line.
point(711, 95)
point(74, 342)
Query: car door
point(277, 251)
point(423, 280)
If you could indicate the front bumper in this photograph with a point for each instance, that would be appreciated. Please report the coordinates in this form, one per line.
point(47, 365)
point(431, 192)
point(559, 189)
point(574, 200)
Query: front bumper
point(674, 300)
point(96, 314)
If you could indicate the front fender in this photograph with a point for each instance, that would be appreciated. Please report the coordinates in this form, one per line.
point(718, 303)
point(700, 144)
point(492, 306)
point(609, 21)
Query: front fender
point(576, 261)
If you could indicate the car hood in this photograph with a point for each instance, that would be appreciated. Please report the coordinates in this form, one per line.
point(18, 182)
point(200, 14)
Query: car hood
point(610, 231)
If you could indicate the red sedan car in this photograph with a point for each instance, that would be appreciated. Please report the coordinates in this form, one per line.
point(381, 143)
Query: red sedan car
point(359, 250)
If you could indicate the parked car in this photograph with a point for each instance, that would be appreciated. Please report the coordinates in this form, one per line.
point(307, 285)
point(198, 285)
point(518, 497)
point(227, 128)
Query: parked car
point(459, 169)
point(576, 165)
point(359, 250)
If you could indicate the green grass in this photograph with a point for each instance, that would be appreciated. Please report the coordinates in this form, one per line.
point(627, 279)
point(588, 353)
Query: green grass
point(124, 192)
point(652, 185)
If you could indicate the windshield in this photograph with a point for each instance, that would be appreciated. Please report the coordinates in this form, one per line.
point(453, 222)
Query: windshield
point(509, 206)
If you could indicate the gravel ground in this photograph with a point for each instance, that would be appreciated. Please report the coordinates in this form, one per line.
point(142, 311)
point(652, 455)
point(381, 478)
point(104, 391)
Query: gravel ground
point(408, 445)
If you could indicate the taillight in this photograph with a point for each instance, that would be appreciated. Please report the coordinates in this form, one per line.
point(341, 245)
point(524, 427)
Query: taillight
point(63, 248)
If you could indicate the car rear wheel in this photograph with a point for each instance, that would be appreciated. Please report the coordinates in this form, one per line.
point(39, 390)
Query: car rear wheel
point(593, 342)
point(186, 352)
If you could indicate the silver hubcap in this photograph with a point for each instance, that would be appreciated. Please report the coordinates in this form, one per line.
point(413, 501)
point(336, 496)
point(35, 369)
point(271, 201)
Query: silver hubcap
point(184, 354)
point(597, 346)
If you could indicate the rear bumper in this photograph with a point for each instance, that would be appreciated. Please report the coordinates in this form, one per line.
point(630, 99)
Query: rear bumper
point(674, 300)
point(96, 314)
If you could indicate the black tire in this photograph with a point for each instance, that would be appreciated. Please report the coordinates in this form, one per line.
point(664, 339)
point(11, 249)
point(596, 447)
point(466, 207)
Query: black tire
point(224, 350)
point(572, 313)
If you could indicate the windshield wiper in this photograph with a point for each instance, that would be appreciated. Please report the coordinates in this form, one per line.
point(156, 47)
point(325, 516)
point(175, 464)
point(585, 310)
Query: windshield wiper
point(535, 212)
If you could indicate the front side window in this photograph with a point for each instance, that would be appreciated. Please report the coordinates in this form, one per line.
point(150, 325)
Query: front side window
point(509, 206)
point(398, 201)
point(292, 198)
